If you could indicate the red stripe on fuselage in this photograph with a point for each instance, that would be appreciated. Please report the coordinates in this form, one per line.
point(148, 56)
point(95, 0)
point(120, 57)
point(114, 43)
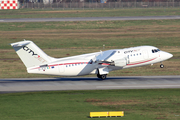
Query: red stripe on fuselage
point(63, 64)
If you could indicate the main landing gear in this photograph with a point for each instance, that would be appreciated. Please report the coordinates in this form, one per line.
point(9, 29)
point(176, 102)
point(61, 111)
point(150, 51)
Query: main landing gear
point(161, 66)
point(103, 77)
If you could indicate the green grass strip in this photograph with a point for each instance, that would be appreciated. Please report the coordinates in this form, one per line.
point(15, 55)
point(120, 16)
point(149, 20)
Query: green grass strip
point(58, 13)
point(66, 105)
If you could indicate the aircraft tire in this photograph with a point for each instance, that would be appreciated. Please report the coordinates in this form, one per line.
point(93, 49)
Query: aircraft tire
point(161, 66)
point(103, 77)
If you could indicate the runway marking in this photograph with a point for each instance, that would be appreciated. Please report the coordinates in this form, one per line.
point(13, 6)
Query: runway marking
point(139, 86)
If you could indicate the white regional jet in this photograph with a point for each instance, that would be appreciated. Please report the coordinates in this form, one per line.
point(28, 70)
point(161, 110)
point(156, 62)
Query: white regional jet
point(100, 63)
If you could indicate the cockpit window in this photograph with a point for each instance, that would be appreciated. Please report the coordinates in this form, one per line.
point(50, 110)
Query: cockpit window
point(155, 50)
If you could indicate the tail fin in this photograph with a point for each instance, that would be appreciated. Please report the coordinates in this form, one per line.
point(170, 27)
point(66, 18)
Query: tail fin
point(30, 54)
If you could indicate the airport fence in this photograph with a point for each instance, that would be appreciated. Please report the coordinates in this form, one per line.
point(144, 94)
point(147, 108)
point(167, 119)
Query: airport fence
point(96, 5)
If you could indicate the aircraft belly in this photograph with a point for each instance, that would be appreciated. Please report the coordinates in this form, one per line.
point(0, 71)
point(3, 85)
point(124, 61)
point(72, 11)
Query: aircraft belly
point(78, 70)
point(142, 62)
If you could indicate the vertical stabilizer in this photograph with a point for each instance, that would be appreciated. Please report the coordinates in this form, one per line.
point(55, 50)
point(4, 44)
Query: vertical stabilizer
point(30, 54)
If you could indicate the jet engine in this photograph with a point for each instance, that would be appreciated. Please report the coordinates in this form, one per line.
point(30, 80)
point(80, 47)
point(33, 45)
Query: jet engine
point(119, 62)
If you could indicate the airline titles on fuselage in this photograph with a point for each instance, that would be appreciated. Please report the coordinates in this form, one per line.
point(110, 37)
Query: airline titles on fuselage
point(131, 51)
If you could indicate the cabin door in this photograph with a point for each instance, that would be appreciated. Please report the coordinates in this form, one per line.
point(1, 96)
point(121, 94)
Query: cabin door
point(61, 68)
point(145, 54)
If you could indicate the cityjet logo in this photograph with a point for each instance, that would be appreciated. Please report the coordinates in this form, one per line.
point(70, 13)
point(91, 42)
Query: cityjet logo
point(29, 50)
point(36, 56)
point(130, 51)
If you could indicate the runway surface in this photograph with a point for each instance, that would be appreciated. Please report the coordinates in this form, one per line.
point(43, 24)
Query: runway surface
point(89, 18)
point(49, 84)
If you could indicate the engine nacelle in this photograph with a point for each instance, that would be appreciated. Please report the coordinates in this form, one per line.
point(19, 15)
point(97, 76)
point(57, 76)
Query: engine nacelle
point(120, 62)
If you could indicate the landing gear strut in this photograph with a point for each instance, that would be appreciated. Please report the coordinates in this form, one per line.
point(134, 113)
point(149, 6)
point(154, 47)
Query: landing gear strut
point(103, 77)
point(161, 66)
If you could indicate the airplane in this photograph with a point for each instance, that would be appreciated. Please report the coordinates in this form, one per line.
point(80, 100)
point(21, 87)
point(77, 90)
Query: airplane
point(99, 63)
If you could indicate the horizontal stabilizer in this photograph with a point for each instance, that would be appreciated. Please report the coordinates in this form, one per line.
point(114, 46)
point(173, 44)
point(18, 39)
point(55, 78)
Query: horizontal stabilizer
point(19, 44)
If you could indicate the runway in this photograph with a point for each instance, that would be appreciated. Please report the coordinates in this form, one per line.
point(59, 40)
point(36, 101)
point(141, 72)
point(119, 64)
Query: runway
point(89, 19)
point(77, 83)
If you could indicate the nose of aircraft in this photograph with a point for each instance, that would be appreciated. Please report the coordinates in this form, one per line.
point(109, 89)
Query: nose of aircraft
point(165, 55)
point(169, 55)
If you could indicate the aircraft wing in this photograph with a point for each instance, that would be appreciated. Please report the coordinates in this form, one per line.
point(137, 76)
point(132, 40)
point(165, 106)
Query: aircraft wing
point(104, 56)
point(105, 59)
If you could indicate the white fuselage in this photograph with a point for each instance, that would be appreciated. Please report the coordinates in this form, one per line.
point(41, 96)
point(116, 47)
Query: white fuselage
point(85, 64)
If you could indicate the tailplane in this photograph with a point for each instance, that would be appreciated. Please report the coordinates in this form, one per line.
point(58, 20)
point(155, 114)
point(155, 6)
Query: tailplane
point(30, 54)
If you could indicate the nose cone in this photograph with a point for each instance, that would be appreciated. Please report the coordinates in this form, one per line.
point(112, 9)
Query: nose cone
point(165, 55)
point(169, 55)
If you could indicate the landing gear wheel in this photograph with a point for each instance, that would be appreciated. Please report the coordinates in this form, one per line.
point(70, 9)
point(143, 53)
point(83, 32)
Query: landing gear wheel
point(161, 66)
point(103, 77)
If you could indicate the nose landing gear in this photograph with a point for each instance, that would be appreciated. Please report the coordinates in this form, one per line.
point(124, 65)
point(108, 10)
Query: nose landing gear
point(161, 66)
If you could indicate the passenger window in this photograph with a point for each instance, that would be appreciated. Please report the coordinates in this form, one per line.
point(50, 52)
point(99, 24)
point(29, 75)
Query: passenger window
point(152, 51)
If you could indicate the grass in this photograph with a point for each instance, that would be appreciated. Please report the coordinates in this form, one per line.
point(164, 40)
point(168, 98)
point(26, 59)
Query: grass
point(76, 105)
point(63, 39)
point(39, 13)
point(93, 33)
